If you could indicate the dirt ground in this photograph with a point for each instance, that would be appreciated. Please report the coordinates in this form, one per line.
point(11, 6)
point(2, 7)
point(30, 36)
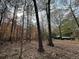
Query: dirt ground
point(63, 49)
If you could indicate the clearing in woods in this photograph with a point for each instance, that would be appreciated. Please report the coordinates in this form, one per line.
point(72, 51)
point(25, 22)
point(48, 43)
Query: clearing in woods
point(64, 49)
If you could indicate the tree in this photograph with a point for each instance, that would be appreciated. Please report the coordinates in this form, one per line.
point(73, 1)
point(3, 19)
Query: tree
point(40, 49)
point(22, 33)
point(75, 18)
point(13, 20)
point(29, 15)
point(68, 27)
point(49, 24)
point(60, 29)
point(3, 12)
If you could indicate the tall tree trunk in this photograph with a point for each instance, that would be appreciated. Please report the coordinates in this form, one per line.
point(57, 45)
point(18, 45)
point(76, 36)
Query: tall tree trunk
point(21, 39)
point(49, 24)
point(60, 23)
point(1, 18)
point(22, 33)
point(27, 33)
point(60, 33)
point(12, 26)
point(40, 49)
point(28, 23)
point(2, 13)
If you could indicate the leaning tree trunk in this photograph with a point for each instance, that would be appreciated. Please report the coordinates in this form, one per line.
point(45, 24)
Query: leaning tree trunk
point(74, 15)
point(40, 49)
point(1, 18)
point(49, 24)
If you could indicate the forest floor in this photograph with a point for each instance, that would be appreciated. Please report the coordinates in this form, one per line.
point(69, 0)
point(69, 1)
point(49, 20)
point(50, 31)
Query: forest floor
point(63, 49)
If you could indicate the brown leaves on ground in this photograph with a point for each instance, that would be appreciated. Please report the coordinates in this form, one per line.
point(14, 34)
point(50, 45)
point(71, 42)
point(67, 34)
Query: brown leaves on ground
point(64, 49)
